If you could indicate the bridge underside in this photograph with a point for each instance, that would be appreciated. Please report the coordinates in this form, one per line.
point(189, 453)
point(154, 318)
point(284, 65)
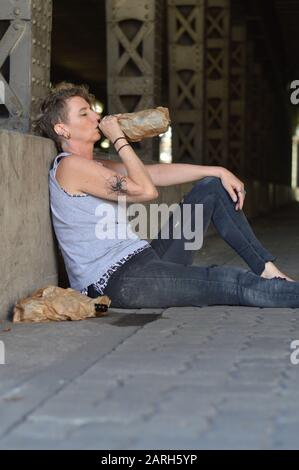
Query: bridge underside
point(223, 67)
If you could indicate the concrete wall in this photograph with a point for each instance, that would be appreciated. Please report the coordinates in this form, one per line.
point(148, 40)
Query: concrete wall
point(27, 256)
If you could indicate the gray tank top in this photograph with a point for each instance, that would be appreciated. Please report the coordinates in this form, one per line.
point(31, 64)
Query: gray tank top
point(89, 255)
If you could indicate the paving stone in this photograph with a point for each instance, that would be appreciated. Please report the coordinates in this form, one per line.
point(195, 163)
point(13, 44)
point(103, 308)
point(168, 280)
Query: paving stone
point(285, 436)
point(187, 377)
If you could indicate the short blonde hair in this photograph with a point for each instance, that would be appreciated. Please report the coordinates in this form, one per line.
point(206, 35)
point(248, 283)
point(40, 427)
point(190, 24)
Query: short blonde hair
point(54, 110)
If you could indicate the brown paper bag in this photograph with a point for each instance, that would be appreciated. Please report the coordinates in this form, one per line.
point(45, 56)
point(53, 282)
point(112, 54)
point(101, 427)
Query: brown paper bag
point(56, 304)
point(143, 124)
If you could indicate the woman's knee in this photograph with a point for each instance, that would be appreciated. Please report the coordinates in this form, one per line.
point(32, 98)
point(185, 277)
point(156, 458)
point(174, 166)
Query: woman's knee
point(203, 189)
point(210, 182)
point(207, 186)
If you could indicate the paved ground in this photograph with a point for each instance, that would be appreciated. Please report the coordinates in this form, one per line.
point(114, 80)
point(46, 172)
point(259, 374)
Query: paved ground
point(182, 378)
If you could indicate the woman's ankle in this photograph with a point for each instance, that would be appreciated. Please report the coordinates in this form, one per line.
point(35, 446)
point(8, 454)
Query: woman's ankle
point(271, 271)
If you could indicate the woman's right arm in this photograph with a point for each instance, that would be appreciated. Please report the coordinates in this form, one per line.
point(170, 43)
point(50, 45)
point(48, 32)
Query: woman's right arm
point(91, 178)
point(136, 171)
point(95, 179)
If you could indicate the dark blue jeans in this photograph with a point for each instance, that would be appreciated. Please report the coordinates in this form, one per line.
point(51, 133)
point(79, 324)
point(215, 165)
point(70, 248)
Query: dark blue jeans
point(163, 276)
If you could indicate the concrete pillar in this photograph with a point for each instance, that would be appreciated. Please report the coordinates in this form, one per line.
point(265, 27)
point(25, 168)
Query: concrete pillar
point(134, 59)
point(25, 51)
point(27, 254)
point(186, 53)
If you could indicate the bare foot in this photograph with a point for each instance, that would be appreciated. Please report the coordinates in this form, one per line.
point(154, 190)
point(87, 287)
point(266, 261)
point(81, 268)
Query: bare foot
point(271, 271)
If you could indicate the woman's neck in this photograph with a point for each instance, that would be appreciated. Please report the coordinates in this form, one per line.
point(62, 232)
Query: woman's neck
point(79, 149)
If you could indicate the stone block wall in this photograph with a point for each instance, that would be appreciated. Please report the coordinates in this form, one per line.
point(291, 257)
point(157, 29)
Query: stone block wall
point(27, 252)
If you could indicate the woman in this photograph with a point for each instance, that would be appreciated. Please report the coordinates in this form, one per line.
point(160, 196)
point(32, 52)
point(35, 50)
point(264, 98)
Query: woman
point(132, 272)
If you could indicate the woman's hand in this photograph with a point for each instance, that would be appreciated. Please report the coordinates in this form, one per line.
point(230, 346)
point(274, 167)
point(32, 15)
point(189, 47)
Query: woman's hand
point(233, 185)
point(110, 127)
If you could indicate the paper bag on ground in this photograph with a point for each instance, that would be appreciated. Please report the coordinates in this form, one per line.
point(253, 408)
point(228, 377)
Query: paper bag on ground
point(56, 304)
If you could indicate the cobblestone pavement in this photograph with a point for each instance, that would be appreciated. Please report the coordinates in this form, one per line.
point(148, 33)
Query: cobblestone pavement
point(183, 378)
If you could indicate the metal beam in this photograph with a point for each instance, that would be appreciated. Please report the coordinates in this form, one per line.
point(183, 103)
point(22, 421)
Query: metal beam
point(134, 59)
point(25, 49)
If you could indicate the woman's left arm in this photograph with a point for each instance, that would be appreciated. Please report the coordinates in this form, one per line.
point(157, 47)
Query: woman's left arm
point(168, 174)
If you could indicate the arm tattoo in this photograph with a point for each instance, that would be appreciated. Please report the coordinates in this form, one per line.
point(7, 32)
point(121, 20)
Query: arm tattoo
point(118, 184)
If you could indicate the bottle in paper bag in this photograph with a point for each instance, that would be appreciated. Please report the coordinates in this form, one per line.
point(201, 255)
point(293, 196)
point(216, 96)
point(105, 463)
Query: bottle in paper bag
point(142, 124)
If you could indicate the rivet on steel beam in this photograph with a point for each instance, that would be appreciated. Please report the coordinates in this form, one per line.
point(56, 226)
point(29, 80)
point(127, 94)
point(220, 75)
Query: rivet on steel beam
point(17, 26)
point(16, 112)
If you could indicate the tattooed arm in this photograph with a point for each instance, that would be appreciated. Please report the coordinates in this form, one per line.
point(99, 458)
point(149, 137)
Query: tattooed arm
point(117, 184)
point(135, 169)
point(84, 175)
point(89, 177)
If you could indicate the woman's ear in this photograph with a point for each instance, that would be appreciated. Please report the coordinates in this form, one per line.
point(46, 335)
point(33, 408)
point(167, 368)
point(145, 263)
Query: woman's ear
point(59, 129)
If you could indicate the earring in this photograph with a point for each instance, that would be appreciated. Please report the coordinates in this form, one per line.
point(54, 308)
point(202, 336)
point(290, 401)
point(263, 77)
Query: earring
point(67, 136)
